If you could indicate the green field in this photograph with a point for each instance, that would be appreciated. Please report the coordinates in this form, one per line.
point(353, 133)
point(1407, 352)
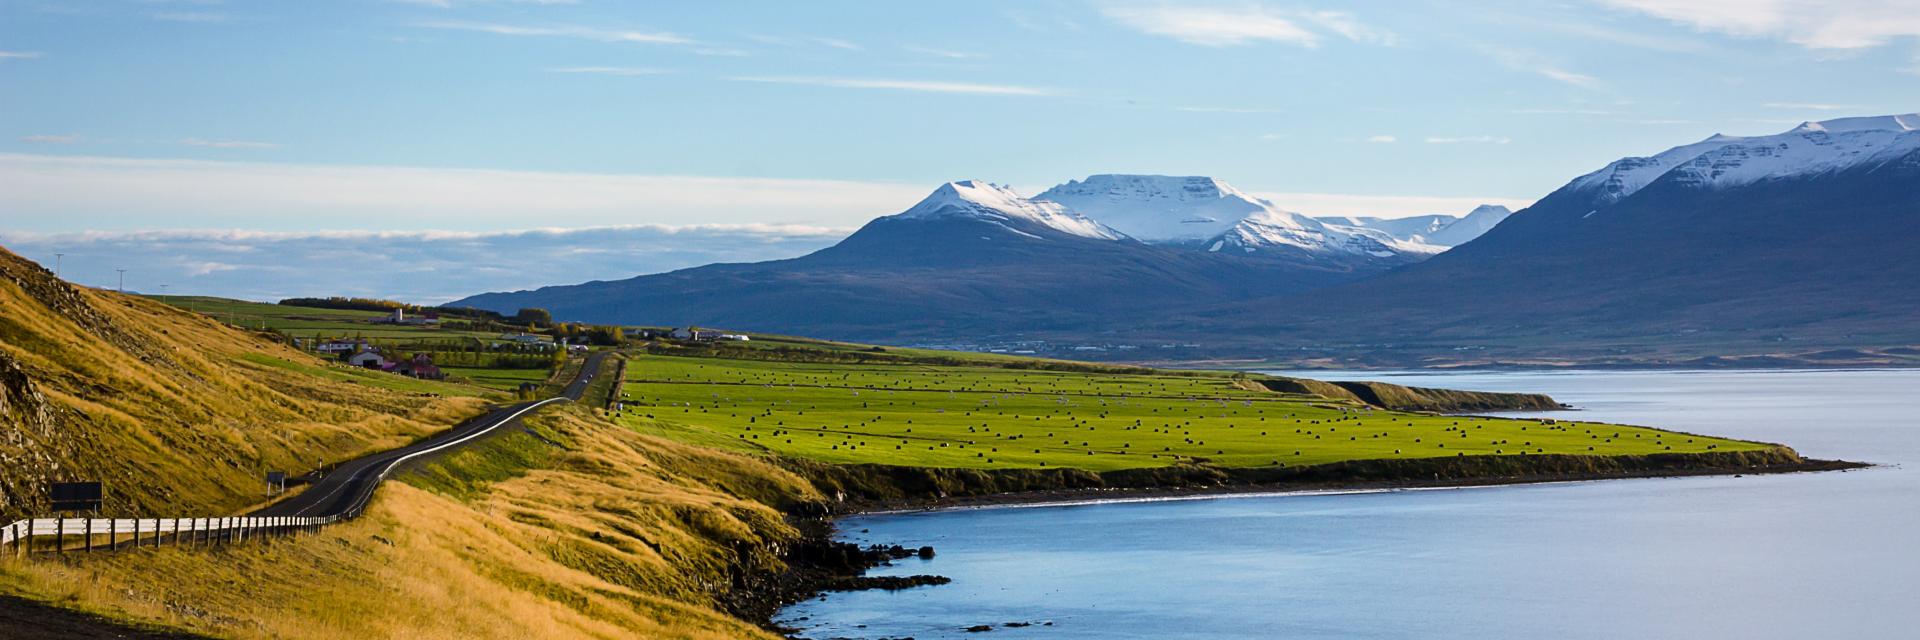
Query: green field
point(311, 322)
point(982, 417)
point(499, 379)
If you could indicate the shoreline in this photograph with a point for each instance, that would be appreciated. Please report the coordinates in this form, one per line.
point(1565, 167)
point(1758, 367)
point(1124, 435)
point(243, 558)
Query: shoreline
point(1124, 495)
point(807, 576)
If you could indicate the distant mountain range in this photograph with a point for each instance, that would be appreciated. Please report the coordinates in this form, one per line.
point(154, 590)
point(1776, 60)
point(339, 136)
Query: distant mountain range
point(976, 257)
point(1801, 240)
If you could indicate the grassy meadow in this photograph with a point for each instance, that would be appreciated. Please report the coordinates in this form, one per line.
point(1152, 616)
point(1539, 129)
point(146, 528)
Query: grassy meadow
point(988, 417)
point(312, 322)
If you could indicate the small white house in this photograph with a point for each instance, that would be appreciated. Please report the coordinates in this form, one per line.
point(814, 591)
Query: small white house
point(682, 333)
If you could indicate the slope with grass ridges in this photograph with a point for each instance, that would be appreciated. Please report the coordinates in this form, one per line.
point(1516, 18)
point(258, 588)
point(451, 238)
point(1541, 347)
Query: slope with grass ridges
point(573, 528)
point(173, 411)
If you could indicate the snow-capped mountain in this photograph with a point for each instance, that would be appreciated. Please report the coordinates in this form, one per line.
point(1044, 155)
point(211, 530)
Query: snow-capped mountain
point(1158, 208)
point(1723, 161)
point(1476, 223)
point(1276, 230)
point(1802, 240)
point(1186, 210)
point(999, 205)
point(1438, 230)
point(970, 259)
point(1402, 228)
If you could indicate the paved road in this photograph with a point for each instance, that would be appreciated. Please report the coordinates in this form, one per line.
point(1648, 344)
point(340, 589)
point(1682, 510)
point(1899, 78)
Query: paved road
point(350, 485)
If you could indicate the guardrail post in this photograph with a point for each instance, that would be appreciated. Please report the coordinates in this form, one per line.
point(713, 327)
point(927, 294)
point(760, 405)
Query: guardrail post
point(88, 545)
point(59, 535)
point(113, 534)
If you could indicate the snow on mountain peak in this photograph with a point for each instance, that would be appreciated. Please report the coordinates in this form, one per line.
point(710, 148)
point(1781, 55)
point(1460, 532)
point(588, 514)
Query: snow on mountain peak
point(1902, 122)
point(1158, 208)
point(998, 204)
point(1723, 160)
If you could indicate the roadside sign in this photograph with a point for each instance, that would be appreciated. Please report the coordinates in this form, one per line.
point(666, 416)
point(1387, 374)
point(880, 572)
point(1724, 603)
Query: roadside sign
point(276, 481)
point(76, 496)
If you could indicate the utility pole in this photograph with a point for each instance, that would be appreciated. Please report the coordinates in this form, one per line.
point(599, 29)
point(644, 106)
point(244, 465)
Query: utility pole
point(123, 280)
point(56, 264)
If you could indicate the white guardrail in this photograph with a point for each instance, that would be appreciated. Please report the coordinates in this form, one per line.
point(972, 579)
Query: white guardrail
point(87, 534)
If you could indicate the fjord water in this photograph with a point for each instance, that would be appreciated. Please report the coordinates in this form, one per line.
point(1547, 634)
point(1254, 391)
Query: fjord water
point(1782, 556)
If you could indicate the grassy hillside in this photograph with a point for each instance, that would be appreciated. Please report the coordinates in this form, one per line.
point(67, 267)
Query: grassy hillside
point(580, 529)
point(997, 418)
point(173, 410)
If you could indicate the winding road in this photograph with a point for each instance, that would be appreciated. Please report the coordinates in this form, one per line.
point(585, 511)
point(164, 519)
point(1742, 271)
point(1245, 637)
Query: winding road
point(346, 490)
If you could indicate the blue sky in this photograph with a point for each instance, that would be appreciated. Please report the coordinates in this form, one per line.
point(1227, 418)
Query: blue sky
point(485, 116)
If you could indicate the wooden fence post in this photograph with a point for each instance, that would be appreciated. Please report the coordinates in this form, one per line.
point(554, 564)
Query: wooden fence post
point(60, 535)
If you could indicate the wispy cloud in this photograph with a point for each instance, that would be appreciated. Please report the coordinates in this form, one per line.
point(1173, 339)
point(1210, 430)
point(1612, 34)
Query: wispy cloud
point(228, 144)
point(204, 17)
point(49, 192)
point(418, 266)
point(1813, 106)
point(1227, 110)
point(1532, 62)
point(801, 41)
point(1814, 24)
point(19, 55)
point(1214, 26)
point(612, 71)
point(946, 53)
point(930, 86)
point(50, 138)
point(1561, 112)
point(1470, 140)
point(566, 31)
point(1233, 25)
point(1381, 139)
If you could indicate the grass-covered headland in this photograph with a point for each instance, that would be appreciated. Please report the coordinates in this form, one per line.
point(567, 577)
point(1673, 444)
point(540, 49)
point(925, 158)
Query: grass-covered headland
point(908, 430)
point(694, 511)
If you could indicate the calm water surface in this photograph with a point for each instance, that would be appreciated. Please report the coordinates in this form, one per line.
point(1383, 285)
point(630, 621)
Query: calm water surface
point(1795, 556)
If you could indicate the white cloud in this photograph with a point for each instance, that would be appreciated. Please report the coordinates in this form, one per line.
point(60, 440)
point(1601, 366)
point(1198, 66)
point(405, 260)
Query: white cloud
point(1470, 140)
point(838, 44)
point(1214, 26)
point(1815, 24)
point(932, 86)
point(228, 144)
point(417, 266)
point(612, 71)
point(565, 31)
point(1227, 110)
point(1340, 204)
point(1231, 25)
point(204, 17)
point(1531, 62)
point(1348, 27)
point(1812, 106)
point(48, 138)
point(946, 53)
point(51, 192)
point(19, 55)
point(1381, 138)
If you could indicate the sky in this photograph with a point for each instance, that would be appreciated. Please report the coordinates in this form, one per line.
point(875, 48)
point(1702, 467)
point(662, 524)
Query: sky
point(430, 149)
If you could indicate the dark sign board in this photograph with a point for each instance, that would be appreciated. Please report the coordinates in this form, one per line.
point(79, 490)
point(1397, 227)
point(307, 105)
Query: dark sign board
point(76, 496)
point(277, 478)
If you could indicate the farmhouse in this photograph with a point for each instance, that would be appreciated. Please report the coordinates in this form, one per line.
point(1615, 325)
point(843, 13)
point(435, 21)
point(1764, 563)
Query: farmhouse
point(421, 366)
point(340, 346)
point(369, 358)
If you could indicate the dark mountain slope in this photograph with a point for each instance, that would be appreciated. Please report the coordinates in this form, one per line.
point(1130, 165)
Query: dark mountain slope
point(949, 267)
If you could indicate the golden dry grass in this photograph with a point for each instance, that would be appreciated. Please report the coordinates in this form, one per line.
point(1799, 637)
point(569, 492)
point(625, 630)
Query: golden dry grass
point(610, 534)
point(161, 405)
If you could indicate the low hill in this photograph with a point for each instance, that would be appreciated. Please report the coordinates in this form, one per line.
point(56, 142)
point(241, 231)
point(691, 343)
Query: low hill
point(170, 409)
